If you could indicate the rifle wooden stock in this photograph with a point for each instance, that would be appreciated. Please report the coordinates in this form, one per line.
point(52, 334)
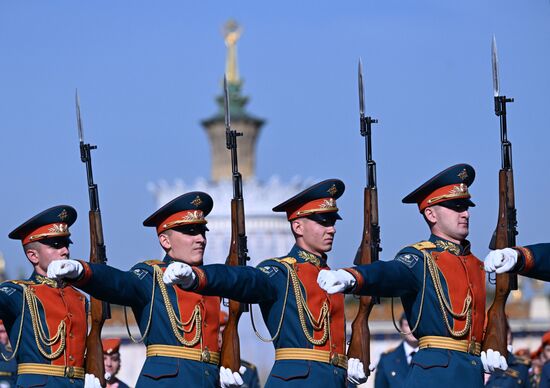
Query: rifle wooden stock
point(496, 332)
point(99, 310)
point(231, 352)
point(367, 253)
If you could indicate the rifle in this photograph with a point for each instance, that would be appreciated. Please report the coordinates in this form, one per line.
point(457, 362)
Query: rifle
point(238, 251)
point(369, 248)
point(505, 232)
point(100, 311)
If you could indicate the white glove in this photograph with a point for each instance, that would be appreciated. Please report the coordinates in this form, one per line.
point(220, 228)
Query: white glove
point(180, 274)
point(230, 379)
point(356, 374)
point(64, 269)
point(493, 360)
point(90, 381)
point(335, 281)
point(501, 260)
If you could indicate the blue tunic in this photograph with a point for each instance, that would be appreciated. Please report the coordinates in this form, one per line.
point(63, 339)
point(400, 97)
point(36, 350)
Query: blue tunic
point(392, 369)
point(267, 286)
point(516, 376)
point(8, 369)
point(250, 376)
point(53, 305)
point(534, 261)
point(134, 288)
point(460, 274)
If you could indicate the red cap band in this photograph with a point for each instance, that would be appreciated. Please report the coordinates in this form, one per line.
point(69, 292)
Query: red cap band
point(445, 193)
point(185, 217)
point(323, 205)
point(47, 231)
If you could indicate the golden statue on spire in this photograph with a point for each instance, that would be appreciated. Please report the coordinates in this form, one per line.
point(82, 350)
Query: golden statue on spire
point(231, 33)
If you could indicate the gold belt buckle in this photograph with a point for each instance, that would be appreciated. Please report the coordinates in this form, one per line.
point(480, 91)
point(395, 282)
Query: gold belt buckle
point(472, 348)
point(205, 355)
point(334, 360)
point(69, 371)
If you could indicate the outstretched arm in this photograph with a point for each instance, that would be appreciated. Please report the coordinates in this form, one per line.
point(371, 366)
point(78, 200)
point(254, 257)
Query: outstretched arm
point(242, 283)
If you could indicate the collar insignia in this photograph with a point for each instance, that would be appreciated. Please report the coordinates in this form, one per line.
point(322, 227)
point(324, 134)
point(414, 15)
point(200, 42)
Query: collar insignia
point(47, 281)
point(309, 257)
point(448, 246)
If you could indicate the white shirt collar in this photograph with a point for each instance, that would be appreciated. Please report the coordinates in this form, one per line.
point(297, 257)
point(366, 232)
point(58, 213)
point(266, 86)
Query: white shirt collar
point(409, 349)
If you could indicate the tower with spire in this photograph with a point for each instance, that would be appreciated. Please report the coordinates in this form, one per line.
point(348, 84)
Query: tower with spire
point(246, 123)
point(268, 233)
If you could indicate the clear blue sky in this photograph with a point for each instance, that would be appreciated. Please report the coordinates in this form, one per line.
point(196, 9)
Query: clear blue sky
point(148, 72)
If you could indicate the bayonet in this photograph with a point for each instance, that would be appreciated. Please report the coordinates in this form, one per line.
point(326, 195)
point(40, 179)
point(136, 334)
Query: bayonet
point(226, 104)
point(361, 93)
point(78, 118)
point(494, 61)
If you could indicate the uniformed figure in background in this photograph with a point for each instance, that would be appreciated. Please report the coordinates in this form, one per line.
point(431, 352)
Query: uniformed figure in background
point(8, 369)
point(307, 326)
point(46, 320)
point(248, 371)
point(179, 328)
point(393, 367)
point(112, 362)
point(517, 374)
point(541, 362)
point(441, 285)
point(532, 261)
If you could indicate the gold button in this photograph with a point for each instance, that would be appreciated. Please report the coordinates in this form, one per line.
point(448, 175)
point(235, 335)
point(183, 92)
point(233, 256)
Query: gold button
point(474, 363)
point(71, 358)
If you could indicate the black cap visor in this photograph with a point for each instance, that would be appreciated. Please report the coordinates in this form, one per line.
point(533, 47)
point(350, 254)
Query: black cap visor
point(192, 229)
point(457, 204)
point(56, 242)
point(326, 219)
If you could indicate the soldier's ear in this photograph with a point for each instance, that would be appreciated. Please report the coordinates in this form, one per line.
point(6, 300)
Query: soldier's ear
point(430, 215)
point(32, 255)
point(297, 227)
point(164, 240)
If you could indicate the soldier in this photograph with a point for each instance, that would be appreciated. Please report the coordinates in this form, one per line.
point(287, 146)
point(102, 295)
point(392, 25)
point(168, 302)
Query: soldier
point(179, 328)
point(441, 285)
point(8, 369)
point(393, 367)
point(531, 261)
point(46, 320)
point(111, 360)
point(517, 374)
point(306, 324)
